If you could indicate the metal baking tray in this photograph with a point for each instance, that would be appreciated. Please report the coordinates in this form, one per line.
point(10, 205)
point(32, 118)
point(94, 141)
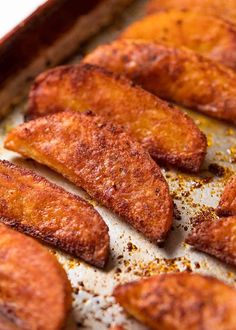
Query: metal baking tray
point(45, 37)
point(133, 256)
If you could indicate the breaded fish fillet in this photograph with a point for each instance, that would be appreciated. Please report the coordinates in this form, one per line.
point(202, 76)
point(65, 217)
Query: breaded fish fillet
point(35, 292)
point(37, 207)
point(225, 9)
point(180, 301)
point(148, 118)
point(227, 205)
point(215, 237)
point(102, 159)
point(207, 35)
point(177, 75)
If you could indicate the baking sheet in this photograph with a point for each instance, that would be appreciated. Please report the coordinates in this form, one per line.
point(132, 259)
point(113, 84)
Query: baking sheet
point(132, 256)
point(10, 17)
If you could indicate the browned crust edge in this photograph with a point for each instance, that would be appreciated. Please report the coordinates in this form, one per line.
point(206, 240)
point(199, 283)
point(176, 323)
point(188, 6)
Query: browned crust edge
point(201, 230)
point(191, 164)
point(41, 235)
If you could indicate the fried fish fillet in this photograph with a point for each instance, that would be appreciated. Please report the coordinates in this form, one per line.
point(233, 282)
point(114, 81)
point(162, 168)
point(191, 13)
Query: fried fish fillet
point(178, 75)
point(105, 161)
point(227, 205)
point(180, 301)
point(215, 237)
point(37, 207)
point(148, 118)
point(207, 35)
point(221, 8)
point(35, 292)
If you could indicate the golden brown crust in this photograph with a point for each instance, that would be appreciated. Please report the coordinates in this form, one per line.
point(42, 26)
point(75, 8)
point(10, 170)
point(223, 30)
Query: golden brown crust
point(225, 9)
point(35, 206)
point(180, 301)
point(35, 292)
point(227, 205)
point(117, 327)
point(207, 35)
point(149, 119)
point(102, 159)
point(215, 237)
point(177, 75)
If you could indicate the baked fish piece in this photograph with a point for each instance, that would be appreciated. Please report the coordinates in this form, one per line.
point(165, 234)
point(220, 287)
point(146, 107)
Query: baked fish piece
point(165, 131)
point(227, 205)
point(35, 206)
point(35, 292)
point(177, 75)
point(207, 35)
point(225, 9)
point(180, 301)
point(105, 161)
point(215, 237)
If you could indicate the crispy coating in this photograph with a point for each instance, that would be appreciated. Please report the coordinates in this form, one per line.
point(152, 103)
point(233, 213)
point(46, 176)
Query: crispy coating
point(148, 118)
point(180, 301)
point(225, 9)
point(207, 35)
point(35, 292)
point(117, 327)
point(227, 205)
point(178, 75)
point(35, 206)
point(105, 161)
point(215, 237)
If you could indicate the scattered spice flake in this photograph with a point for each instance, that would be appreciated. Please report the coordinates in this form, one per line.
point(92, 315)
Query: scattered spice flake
point(165, 266)
point(118, 270)
point(216, 169)
point(177, 213)
point(175, 195)
point(229, 132)
point(75, 291)
point(206, 213)
point(131, 247)
point(196, 185)
point(72, 263)
point(160, 265)
point(221, 156)
point(232, 152)
point(209, 140)
point(186, 193)
point(228, 173)
point(231, 275)
point(197, 265)
point(207, 180)
point(128, 270)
